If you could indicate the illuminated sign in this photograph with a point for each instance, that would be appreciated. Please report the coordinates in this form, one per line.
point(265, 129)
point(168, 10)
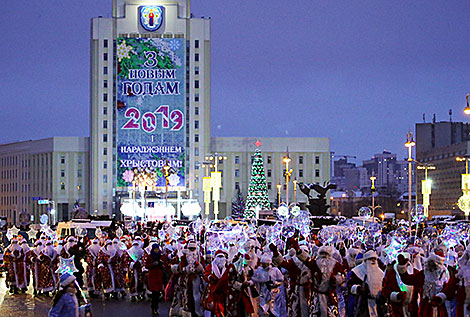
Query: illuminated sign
point(151, 17)
point(151, 110)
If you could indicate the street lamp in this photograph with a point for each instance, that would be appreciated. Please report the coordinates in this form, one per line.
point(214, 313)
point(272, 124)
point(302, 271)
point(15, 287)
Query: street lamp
point(409, 144)
point(206, 187)
point(372, 190)
point(467, 108)
point(279, 193)
point(426, 186)
point(464, 200)
point(288, 173)
point(216, 180)
point(295, 190)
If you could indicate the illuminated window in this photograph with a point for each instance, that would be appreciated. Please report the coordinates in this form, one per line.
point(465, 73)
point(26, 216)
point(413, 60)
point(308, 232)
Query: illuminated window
point(62, 186)
point(237, 173)
point(237, 159)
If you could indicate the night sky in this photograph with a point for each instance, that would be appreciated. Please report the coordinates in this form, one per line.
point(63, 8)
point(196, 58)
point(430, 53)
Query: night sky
point(359, 72)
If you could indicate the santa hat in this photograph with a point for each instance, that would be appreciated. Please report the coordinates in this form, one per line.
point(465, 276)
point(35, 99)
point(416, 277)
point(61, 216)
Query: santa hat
point(136, 242)
point(23, 242)
point(437, 257)
point(66, 279)
point(326, 249)
point(359, 258)
point(95, 241)
point(49, 242)
point(305, 248)
point(191, 244)
point(71, 239)
point(220, 252)
point(371, 254)
point(266, 258)
point(108, 242)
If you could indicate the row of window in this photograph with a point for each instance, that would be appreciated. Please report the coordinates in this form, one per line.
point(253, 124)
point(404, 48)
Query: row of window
point(269, 159)
point(79, 173)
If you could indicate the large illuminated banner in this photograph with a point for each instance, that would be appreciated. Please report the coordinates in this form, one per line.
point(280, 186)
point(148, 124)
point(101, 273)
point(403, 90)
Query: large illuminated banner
point(151, 109)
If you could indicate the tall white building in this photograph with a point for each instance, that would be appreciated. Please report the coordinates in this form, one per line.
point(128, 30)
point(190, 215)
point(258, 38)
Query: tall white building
point(120, 90)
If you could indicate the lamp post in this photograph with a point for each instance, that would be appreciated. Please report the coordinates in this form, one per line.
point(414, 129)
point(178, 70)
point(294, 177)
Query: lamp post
point(288, 173)
point(295, 190)
point(216, 180)
point(464, 200)
point(206, 188)
point(372, 190)
point(467, 108)
point(409, 144)
point(279, 193)
point(426, 186)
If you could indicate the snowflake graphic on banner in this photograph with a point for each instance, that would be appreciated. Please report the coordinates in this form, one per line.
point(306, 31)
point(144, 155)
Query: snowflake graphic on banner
point(123, 51)
point(128, 176)
point(174, 45)
point(173, 179)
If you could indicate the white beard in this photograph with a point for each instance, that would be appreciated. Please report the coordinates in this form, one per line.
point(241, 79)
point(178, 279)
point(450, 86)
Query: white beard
point(326, 266)
point(434, 280)
point(192, 257)
point(374, 274)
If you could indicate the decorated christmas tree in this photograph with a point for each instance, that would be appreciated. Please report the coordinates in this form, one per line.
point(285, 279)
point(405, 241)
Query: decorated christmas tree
point(238, 206)
point(258, 190)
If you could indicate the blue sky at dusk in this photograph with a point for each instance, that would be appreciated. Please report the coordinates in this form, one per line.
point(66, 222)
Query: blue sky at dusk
point(359, 72)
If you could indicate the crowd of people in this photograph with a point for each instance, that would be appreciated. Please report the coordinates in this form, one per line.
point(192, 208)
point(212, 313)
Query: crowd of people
point(301, 277)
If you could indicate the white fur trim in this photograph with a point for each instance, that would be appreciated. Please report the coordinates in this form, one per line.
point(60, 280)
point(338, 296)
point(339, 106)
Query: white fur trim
point(401, 269)
point(174, 268)
point(442, 296)
point(394, 297)
point(303, 256)
point(354, 289)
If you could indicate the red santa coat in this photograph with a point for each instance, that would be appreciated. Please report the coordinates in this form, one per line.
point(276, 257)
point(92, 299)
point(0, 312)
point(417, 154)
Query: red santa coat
point(211, 301)
point(455, 288)
point(426, 307)
point(233, 293)
point(105, 270)
point(14, 259)
point(391, 290)
point(47, 266)
point(93, 277)
point(155, 272)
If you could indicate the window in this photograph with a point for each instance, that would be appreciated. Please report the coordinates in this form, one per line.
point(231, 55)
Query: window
point(105, 165)
point(252, 159)
point(196, 57)
point(269, 185)
point(237, 185)
point(196, 151)
point(105, 43)
point(269, 159)
point(105, 203)
point(301, 159)
point(196, 138)
point(62, 173)
point(301, 173)
point(80, 159)
point(105, 138)
point(105, 179)
point(105, 97)
point(105, 56)
point(79, 173)
point(317, 160)
point(196, 165)
point(105, 84)
point(196, 111)
point(269, 173)
point(237, 159)
point(62, 186)
point(317, 173)
point(196, 124)
point(105, 70)
point(62, 159)
point(105, 124)
point(105, 110)
point(105, 151)
point(196, 84)
point(196, 44)
point(196, 96)
point(196, 70)
point(237, 173)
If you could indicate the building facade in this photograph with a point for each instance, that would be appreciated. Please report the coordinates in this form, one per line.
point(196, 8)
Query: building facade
point(439, 144)
point(310, 163)
point(169, 22)
point(54, 169)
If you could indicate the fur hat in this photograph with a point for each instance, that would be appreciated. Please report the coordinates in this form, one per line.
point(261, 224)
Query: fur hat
point(326, 249)
point(66, 279)
point(191, 244)
point(437, 257)
point(221, 252)
point(266, 258)
point(371, 254)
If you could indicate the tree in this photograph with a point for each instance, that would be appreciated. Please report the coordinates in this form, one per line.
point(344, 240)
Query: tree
point(258, 190)
point(238, 206)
